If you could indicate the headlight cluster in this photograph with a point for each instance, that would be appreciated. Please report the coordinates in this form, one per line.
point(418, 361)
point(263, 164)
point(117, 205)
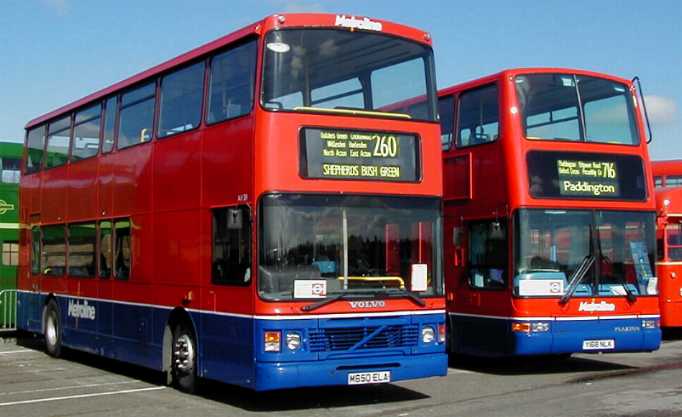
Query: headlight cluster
point(530, 327)
point(432, 333)
point(650, 324)
point(272, 341)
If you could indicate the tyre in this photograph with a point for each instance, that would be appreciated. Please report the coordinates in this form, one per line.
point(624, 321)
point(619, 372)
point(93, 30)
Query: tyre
point(52, 330)
point(184, 358)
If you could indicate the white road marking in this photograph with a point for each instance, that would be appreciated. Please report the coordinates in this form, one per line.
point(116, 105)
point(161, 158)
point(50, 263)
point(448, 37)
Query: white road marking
point(68, 387)
point(7, 352)
point(71, 397)
point(459, 371)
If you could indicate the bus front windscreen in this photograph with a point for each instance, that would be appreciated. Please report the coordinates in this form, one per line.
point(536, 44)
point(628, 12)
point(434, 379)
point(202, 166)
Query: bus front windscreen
point(616, 249)
point(576, 108)
point(314, 247)
point(348, 72)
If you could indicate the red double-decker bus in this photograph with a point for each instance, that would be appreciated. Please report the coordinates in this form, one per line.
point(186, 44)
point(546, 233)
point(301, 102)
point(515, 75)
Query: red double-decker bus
point(668, 182)
point(667, 173)
point(549, 215)
point(248, 212)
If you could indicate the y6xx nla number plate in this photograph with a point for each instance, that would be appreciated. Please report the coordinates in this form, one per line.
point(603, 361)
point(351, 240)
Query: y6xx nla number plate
point(599, 344)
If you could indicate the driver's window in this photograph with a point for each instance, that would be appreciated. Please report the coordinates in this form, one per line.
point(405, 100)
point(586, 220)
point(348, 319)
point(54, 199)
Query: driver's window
point(231, 257)
point(488, 254)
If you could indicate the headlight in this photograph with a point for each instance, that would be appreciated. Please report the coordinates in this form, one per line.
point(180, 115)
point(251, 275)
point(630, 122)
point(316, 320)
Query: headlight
point(293, 341)
point(539, 326)
point(428, 334)
point(271, 341)
point(649, 324)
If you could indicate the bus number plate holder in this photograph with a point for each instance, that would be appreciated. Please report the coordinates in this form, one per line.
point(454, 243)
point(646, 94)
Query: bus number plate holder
point(599, 344)
point(379, 377)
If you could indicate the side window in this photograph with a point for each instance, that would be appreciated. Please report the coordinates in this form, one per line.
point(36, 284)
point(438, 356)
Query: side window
point(58, 135)
point(86, 133)
point(82, 243)
point(35, 250)
point(54, 250)
point(181, 95)
point(232, 82)
point(673, 181)
point(658, 182)
point(10, 253)
point(122, 249)
point(136, 116)
point(478, 116)
point(488, 254)
point(35, 145)
point(109, 125)
point(105, 257)
point(231, 258)
point(446, 113)
point(10, 170)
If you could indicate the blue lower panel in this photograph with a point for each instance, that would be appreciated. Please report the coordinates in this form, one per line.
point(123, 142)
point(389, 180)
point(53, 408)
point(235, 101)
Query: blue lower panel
point(493, 336)
point(271, 376)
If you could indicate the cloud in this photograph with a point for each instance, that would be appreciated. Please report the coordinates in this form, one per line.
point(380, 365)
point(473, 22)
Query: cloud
point(662, 110)
point(61, 7)
point(298, 6)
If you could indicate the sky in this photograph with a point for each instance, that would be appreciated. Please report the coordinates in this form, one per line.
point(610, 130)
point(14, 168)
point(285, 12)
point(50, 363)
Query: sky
point(53, 52)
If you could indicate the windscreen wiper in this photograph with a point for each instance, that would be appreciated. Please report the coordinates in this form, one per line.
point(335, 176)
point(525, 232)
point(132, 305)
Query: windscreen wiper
point(577, 276)
point(405, 293)
point(342, 296)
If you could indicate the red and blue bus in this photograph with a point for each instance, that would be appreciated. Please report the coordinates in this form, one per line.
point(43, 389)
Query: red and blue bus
point(549, 215)
point(668, 182)
point(249, 212)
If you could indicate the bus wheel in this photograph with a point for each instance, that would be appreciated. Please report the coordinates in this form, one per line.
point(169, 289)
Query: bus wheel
point(184, 359)
point(53, 330)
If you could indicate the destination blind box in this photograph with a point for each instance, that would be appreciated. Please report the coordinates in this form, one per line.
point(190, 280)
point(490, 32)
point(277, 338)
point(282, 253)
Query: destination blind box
point(359, 155)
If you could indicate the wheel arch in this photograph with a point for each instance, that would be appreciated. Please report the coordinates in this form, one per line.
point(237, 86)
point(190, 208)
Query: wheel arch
point(177, 316)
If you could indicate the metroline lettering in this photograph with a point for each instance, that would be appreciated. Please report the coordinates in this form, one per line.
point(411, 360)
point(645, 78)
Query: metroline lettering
point(81, 311)
point(586, 187)
point(353, 23)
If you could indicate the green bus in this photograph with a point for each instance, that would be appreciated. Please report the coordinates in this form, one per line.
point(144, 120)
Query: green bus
point(10, 162)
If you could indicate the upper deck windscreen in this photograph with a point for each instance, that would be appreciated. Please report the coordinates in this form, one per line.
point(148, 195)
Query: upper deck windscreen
point(576, 108)
point(341, 71)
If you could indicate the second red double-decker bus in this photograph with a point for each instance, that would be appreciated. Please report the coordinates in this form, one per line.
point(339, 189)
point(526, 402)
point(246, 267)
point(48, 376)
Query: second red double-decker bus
point(248, 212)
point(668, 182)
point(549, 215)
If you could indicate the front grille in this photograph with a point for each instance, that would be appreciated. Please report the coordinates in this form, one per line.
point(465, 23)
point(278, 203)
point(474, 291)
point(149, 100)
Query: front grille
point(346, 338)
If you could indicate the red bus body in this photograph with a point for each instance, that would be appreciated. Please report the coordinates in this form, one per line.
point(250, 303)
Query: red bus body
point(667, 173)
point(168, 191)
point(669, 236)
point(489, 189)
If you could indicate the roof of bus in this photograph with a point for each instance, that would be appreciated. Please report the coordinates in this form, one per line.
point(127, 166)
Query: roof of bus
point(511, 72)
point(674, 197)
point(669, 167)
point(277, 21)
point(8, 148)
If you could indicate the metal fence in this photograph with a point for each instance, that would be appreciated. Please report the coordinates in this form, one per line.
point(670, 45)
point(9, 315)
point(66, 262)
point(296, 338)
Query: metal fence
point(8, 309)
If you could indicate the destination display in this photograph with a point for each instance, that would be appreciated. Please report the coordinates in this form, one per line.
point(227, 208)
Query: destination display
point(361, 155)
point(585, 176)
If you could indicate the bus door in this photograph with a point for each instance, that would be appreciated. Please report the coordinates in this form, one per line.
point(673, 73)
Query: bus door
point(669, 271)
point(33, 308)
point(481, 294)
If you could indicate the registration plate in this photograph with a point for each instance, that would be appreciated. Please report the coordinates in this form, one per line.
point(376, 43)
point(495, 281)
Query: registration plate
point(379, 377)
point(599, 344)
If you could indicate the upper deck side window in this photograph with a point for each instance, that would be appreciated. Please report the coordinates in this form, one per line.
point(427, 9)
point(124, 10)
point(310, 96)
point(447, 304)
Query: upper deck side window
point(180, 99)
point(35, 149)
point(479, 116)
point(446, 114)
point(232, 80)
point(10, 169)
point(86, 132)
point(576, 108)
point(58, 137)
point(136, 116)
